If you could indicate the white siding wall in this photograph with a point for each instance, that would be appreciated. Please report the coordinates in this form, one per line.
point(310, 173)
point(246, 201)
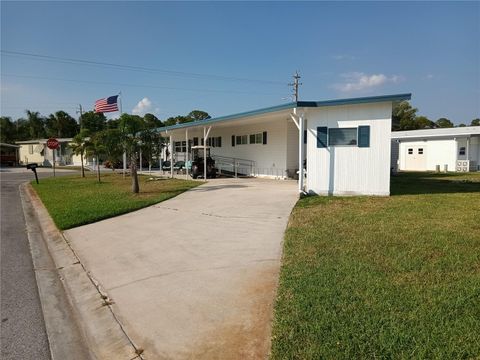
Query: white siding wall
point(270, 159)
point(441, 152)
point(345, 170)
point(26, 157)
point(438, 152)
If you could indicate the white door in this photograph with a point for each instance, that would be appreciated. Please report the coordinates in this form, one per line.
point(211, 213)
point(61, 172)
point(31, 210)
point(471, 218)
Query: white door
point(416, 158)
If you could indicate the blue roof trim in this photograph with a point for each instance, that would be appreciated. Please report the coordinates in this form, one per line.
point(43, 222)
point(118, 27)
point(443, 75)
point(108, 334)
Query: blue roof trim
point(337, 102)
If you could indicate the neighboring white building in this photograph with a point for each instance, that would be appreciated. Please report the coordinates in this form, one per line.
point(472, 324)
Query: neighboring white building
point(345, 143)
point(457, 149)
point(36, 151)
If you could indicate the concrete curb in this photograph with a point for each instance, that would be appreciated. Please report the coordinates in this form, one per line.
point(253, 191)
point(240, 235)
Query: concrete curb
point(103, 336)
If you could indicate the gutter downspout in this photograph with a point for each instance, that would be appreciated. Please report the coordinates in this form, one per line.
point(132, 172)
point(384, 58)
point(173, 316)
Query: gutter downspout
point(299, 121)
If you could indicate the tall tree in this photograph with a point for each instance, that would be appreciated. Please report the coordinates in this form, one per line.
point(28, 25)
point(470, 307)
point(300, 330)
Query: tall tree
point(151, 145)
point(403, 116)
point(93, 122)
point(36, 124)
point(61, 125)
point(112, 141)
point(197, 115)
point(8, 131)
point(131, 127)
point(444, 123)
point(78, 146)
point(475, 122)
point(422, 122)
point(151, 121)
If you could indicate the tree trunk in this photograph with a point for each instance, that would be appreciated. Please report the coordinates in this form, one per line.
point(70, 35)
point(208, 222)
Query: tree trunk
point(81, 160)
point(133, 173)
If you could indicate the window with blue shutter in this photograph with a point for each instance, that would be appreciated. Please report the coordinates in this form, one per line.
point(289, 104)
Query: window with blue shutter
point(364, 136)
point(322, 136)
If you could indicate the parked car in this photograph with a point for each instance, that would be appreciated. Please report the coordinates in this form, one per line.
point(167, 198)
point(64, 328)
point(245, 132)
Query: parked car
point(166, 166)
point(179, 165)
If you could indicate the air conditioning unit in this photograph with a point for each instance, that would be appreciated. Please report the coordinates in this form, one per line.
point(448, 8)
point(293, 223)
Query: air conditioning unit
point(466, 165)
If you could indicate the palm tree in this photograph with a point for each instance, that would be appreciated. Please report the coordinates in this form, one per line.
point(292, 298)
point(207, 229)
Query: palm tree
point(78, 147)
point(94, 146)
point(36, 124)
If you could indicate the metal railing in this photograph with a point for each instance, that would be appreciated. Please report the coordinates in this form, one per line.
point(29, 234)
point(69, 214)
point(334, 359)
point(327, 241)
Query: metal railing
point(230, 166)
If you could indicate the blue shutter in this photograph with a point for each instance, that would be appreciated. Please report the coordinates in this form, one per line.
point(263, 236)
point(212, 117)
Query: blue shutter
point(322, 136)
point(233, 140)
point(364, 136)
point(264, 138)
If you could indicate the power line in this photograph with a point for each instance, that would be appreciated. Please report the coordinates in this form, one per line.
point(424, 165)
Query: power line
point(136, 68)
point(137, 85)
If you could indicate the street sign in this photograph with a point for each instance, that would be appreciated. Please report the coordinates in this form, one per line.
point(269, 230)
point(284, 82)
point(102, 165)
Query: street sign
point(53, 143)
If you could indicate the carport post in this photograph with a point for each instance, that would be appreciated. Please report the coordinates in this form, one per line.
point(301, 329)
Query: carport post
point(141, 160)
point(205, 137)
point(171, 156)
point(186, 154)
point(300, 152)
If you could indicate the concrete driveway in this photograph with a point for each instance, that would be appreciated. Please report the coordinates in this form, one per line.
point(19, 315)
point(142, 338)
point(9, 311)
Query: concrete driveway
point(195, 276)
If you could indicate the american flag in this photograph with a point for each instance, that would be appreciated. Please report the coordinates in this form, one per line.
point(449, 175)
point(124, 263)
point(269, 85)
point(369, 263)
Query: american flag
point(107, 104)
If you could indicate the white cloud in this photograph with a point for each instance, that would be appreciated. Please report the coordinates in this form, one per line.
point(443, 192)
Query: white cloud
point(359, 81)
point(429, 76)
point(144, 106)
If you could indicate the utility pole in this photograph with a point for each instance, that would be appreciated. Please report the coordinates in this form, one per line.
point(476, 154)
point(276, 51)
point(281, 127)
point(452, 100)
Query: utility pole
point(295, 85)
point(80, 111)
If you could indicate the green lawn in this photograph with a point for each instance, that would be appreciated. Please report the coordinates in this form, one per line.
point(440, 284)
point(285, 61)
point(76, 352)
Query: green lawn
point(383, 277)
point(73, 201)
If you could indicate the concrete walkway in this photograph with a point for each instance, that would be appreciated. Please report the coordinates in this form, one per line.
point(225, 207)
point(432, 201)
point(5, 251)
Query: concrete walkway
point(195, 276)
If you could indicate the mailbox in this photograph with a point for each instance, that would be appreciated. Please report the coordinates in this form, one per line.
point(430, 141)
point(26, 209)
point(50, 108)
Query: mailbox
point(33, 167)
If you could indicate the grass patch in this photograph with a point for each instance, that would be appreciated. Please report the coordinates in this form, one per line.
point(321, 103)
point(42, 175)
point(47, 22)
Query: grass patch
point(73, 201)
point(383, 277)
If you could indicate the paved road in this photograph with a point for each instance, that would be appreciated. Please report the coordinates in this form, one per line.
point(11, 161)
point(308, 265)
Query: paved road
point(23, 334)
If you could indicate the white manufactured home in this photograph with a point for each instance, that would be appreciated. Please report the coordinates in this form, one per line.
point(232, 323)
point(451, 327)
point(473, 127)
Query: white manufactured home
point(448, 149)
point(339, 147)
point(36, 151)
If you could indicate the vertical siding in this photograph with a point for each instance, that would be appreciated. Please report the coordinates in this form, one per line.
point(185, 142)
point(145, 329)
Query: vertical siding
point(438, 152)
point(25, 157)
point(350, 169)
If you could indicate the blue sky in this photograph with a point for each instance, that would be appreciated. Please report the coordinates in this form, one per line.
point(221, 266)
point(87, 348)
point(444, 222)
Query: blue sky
point(215, 51)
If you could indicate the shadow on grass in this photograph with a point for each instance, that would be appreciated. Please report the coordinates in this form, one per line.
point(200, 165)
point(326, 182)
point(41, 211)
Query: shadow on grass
point(432, 183)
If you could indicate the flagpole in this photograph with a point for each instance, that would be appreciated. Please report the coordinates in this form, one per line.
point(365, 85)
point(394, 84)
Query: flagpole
point(124, 152)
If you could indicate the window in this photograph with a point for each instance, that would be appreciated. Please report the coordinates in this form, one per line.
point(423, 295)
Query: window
point(342, 136)
point(195, 141)
point(242, 139)
point(410, 151)
point(461, 151)
point(180, 146)
point(30, 149)
point(256, 138)
point(214, 141)
point(420, 151)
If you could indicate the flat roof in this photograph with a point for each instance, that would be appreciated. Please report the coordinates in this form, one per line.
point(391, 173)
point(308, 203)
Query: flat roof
point(291, 105)
point(439, 132)
point(9, 145)
point(42, 141)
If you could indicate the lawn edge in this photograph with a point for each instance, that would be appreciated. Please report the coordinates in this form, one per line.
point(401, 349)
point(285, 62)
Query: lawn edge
point(103, 333)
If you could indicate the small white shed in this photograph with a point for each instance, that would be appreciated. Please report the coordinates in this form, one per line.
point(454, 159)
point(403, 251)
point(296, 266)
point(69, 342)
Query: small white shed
point(456, 149)
point(339, 147)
